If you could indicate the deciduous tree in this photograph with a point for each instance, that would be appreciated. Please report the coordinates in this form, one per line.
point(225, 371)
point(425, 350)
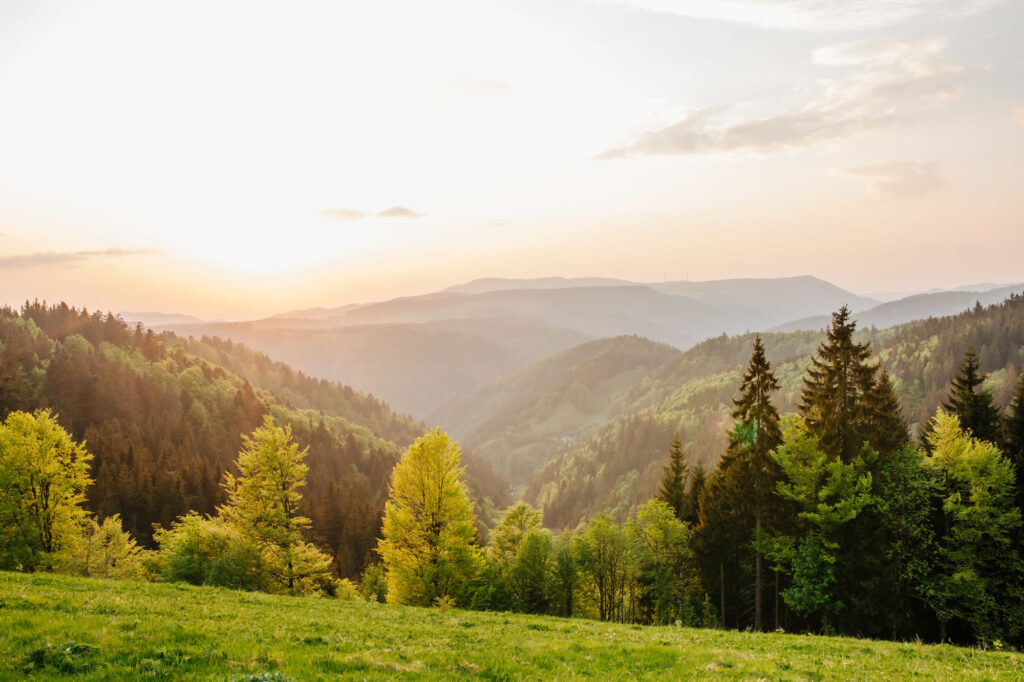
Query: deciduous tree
point(43, 477)
point(429, 526)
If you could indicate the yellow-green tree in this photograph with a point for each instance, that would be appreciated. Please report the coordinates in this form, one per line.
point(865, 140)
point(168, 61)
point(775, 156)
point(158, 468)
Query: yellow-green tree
point(981, 576)
point(263, 506)
point(507, 537)
point(43, 477)
point(429, 526)
point(103, 550)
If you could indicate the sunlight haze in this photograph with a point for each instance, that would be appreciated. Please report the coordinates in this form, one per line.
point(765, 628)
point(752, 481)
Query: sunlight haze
point(240, 159)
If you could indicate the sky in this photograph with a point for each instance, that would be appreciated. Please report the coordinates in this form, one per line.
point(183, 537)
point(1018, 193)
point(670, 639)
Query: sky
point(236, 160)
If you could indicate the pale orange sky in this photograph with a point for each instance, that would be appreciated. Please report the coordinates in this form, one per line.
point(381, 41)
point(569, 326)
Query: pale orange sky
point(232, 159)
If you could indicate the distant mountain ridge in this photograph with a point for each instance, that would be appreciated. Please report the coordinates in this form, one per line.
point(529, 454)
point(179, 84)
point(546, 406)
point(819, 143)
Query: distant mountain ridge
point(420, 353)
point(910, 309)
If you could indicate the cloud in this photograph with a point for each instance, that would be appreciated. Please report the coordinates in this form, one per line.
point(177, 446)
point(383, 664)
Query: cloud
point(342, 214)
point(877, 75)
point(875, 49)
point(814, 15)
point(900, 179)
point(399, 212)
point(706, 131)
point(64, 257)
point(891, 70)
point(1018, 114)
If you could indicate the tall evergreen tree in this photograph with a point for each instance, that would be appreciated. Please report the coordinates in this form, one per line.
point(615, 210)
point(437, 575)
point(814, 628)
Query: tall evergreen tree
point(838, 388)
point(691, 507)
point(972, 403)
point(1013, 437)
point(757, 421)
point(673, 480)
point(755, 434)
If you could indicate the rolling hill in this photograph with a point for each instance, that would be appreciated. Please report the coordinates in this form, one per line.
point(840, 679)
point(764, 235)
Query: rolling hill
point(163, 417)
point(421, 353)
point(519, 421)
point(620, 465)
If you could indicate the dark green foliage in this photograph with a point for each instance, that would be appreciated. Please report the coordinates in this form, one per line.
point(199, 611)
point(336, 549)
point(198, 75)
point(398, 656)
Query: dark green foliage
point(841, 391)
point(673, 481)
point(756, 430)
point(1013, 437)
point(970, 401)
point(828, 494)
point(529, 576)
point(742, 495)
point(620, 467)
point(906, 502)
point(164, 423)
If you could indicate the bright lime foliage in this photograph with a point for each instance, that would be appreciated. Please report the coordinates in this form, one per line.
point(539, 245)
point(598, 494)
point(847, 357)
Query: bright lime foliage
point(103, 550)
point(56, 626)
point(429, 526)
point(983, 575)
point(263, 505)
point(828, 493)
point(43, 477)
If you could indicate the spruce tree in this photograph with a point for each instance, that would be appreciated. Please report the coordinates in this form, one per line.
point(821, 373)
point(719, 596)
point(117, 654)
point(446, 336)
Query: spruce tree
point(972, 403)
point(757, 421)
point(698, 477)
point(886, 429)
point(837, 390)
point(673, 480)
point(1013, 436)
point(755, 434)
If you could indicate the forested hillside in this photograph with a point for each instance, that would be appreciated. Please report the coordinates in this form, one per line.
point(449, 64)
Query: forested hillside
point(520, 421)
point(423, 353)
point(414, 367)
point(618, 468)
point(163, 417)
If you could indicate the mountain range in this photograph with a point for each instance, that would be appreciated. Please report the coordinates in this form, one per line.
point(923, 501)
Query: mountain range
point(420, 353)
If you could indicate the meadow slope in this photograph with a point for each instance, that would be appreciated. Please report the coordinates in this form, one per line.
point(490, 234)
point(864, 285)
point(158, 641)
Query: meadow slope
point(53, 626)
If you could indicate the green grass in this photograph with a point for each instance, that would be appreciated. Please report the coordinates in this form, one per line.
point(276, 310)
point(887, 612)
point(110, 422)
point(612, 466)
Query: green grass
point(54, 626)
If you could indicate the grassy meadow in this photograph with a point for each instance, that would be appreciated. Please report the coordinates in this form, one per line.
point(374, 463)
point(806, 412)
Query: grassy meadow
point(54, 626)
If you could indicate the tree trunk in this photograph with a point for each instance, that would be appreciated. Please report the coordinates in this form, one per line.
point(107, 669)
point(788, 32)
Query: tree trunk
point(721, 573)
point(757, 574)
point(778, 621)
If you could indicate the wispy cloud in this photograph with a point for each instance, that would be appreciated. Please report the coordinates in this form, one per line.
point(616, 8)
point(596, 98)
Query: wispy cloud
point(890, 71)
point(32, 260)
point(342, 214)
point(885, 73)
point(814, 15)
point(900, 179)
point(399, 212)
point(708, 131)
